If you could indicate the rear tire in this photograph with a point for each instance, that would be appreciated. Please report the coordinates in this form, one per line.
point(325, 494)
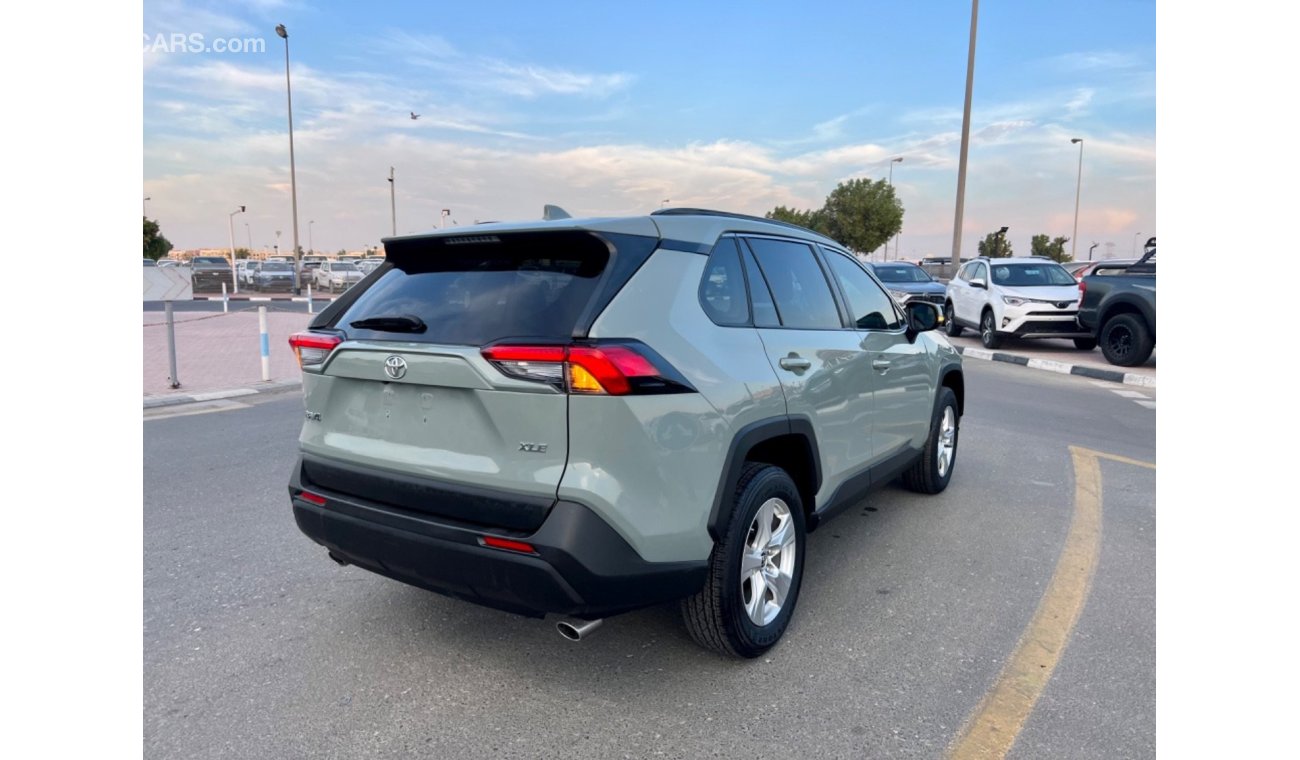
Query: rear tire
point(954, 329)
point(989, 331)
point(1085, 344)
point(1126, 341)
point(731, 614)
point(933, 470)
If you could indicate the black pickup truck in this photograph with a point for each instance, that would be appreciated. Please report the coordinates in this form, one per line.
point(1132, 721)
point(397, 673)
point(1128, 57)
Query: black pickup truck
point(1118, 306)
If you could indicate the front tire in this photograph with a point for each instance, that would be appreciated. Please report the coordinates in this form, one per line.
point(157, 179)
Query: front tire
point(988, 331)
point(950, 317)
point(931, 473)
point(755, 569)
point(1126, 341)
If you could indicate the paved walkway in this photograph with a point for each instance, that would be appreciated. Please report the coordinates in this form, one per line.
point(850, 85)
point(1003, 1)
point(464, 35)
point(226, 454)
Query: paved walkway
point(220, 351)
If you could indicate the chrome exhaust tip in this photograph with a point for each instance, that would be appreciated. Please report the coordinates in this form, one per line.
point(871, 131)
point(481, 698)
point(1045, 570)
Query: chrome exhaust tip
point(577, 630)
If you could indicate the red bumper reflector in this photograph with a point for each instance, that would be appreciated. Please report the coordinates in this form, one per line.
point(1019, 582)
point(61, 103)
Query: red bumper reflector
point(313, 498)
point(507, 544)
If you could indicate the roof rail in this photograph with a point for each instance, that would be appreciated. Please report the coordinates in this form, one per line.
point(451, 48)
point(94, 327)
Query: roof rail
point(747, 217)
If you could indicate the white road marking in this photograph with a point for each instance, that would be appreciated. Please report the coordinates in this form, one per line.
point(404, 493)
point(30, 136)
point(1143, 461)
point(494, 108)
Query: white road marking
point(185, 410)
point(1128, 394)
point(1147, 404)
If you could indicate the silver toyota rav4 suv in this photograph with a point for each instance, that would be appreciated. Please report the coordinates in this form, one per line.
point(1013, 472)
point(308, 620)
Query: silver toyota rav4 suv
point(583, 417)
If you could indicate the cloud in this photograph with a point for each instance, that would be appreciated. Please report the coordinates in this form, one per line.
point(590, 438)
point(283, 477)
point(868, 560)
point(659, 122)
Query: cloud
point(1097, 60)
point(479, 73)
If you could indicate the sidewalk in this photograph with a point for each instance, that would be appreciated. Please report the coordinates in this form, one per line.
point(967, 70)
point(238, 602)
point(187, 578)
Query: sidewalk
point(219, 351)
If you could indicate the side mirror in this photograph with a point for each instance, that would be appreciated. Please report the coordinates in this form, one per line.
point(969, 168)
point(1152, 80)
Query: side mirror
point(979, 282)
point(922, 316)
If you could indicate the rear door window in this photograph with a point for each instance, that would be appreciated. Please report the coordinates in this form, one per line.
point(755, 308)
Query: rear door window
point(798, 286)
point(490, 288)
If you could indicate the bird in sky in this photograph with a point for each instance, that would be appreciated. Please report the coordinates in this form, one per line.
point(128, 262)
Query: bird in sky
point(414, 116)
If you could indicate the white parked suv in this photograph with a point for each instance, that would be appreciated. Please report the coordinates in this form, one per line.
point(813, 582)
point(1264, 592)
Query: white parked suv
point(1015, 298)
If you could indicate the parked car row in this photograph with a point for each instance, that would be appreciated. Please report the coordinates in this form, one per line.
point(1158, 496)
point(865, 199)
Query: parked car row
point(276, 274)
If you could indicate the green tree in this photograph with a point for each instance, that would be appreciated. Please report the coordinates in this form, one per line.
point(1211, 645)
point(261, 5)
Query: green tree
point(863, 214)
point(242, 253)
point(155, 245)
point(995, 246)
point(1054, 249)
point(807, 219)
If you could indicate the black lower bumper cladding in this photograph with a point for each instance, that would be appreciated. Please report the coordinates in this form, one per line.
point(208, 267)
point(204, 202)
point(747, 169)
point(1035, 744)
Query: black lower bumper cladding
point(580, 565)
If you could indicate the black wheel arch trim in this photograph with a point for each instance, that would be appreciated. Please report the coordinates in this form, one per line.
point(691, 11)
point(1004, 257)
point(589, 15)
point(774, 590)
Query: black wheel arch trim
point(742, 443)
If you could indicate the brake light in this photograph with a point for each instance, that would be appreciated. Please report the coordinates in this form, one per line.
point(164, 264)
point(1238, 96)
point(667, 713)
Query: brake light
point(507, 544)
point(614, 369)
point(313, 498)
point(1083, 290)
point(312, 348)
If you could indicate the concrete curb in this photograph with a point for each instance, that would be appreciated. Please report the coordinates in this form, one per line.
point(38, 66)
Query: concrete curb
point(1082, 370)
point(174, 399)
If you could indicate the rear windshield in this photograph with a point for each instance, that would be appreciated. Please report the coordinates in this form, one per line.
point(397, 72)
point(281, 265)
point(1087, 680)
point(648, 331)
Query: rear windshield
point(276, 266)
point(901, 274)
point(209, 261)
point(343, 266)
point(1028, 275)
point(475, 293)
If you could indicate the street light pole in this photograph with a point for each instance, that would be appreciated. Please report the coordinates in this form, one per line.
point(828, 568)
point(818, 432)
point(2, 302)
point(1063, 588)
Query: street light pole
point(1094, 245)
point(1077, 186)
point(965, 137)
point(250, 237)
point(231, 220)
point(293, 173)
point(893, 161)
point(392, 198)
point(311, 247)
point(1136, 235)
point(146, 206)
point(442, 224)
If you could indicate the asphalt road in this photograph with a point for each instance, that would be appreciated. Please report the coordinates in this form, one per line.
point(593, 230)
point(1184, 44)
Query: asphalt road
point(256, 645)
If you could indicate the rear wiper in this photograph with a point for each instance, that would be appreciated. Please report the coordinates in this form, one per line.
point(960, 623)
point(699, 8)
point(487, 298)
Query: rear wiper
point(399, 323)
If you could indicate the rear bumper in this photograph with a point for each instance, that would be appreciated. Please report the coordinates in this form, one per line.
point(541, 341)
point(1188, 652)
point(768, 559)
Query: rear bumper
point(581, 566)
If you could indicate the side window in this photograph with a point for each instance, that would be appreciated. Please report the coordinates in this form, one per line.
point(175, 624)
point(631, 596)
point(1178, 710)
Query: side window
point(799, 288)
point(981, 272)
point(760, 296)
point(966, 273)
point(722, 289)
point(871, 307)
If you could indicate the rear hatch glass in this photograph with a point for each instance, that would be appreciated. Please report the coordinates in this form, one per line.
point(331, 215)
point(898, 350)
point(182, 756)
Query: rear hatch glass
point(526, 285)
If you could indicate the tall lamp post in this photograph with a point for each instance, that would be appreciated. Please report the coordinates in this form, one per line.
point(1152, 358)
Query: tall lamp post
point(965, 137)
point(392, 199)
point(311, 247)
point(231, 220)
point(1002, 240)
point(146, 205)
point(892, 161)
point(1078, 184)
point(443, 222)
point(293, 174)
point(1094, 245)
point(1136, 235)
point(249, 231)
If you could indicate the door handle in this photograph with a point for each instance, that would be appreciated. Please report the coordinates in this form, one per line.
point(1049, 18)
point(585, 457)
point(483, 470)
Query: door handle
point(879, 365)
point(794, 363)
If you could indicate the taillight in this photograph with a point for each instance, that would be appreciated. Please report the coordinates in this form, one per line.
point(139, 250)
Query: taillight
point(1083, 290)
point(614, 369)
point(507, 544)
point(312, 348)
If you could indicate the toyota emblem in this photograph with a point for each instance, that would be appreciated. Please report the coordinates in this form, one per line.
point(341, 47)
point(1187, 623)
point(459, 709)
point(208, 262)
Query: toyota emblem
point(395, 367)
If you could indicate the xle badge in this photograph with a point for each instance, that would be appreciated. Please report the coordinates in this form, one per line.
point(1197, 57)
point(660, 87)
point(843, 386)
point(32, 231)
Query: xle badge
point(537, 448)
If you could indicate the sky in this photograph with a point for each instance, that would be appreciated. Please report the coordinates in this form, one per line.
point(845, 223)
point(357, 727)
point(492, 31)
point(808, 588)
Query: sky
point(614, 108)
